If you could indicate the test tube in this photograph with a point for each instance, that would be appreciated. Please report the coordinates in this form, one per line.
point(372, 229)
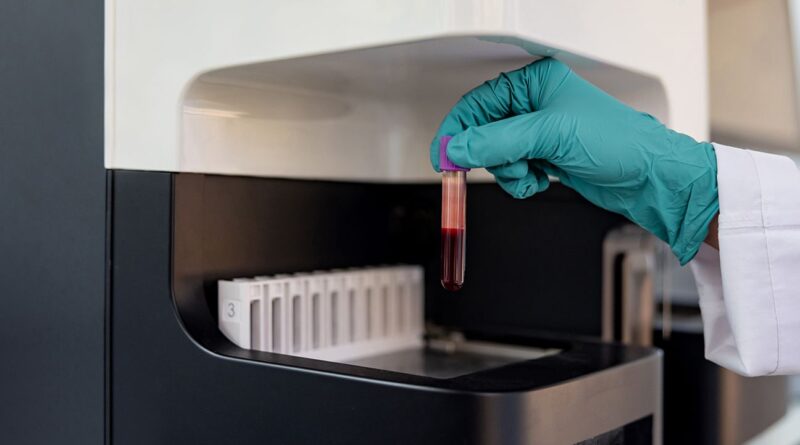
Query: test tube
point(454, 218)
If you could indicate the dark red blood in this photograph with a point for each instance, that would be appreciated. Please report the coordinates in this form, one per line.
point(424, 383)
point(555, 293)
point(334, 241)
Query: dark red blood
point(452, 273)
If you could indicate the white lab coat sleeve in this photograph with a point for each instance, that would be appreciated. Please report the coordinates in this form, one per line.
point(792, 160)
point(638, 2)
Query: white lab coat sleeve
point(750, 288)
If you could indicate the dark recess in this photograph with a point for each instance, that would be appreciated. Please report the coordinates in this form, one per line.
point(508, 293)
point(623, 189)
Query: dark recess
point(522, 256)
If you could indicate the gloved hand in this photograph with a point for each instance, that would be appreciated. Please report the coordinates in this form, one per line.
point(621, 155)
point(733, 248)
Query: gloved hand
point(545, 119)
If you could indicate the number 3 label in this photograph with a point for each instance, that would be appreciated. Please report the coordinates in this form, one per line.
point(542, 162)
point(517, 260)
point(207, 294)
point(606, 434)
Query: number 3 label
point(231, 310)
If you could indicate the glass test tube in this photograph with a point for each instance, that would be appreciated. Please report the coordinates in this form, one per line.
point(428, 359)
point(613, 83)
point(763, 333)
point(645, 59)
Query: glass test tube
point(454, 215)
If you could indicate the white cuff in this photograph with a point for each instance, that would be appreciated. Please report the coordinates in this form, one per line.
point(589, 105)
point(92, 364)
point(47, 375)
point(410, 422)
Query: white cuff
point(750, 289)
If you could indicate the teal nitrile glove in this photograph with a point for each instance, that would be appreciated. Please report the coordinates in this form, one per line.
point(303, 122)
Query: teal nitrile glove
point(545, 119)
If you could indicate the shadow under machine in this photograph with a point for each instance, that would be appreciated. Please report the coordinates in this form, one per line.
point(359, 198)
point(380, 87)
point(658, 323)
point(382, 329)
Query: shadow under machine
point(275, 252)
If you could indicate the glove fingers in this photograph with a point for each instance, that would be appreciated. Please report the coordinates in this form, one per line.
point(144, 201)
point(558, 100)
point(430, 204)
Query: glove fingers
point(533, 182)
point(542, 181)
point(514, 93)
point(526, 137)
point(551, 170)
point(514, 170)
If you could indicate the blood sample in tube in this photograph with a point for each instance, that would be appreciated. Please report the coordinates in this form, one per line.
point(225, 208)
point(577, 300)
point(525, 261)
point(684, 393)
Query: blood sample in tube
point(454, 213)
point(452, 259)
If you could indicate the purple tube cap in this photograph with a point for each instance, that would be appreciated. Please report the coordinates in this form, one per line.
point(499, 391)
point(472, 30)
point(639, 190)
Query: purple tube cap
point(446, 164)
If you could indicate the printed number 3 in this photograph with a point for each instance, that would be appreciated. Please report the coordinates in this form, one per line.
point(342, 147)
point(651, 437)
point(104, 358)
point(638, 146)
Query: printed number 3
point(231, 310)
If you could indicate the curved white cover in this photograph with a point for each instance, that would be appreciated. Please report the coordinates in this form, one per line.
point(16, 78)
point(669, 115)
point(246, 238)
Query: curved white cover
point(649, 53)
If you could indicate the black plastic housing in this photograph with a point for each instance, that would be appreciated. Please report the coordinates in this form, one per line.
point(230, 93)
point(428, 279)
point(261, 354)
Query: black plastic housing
point(175, 379)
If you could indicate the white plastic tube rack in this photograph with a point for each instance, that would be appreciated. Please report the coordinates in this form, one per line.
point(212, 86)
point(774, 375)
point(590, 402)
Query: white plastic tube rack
point(336, 316)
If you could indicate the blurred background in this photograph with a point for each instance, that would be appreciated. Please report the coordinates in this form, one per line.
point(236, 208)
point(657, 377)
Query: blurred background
point(753, 73)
